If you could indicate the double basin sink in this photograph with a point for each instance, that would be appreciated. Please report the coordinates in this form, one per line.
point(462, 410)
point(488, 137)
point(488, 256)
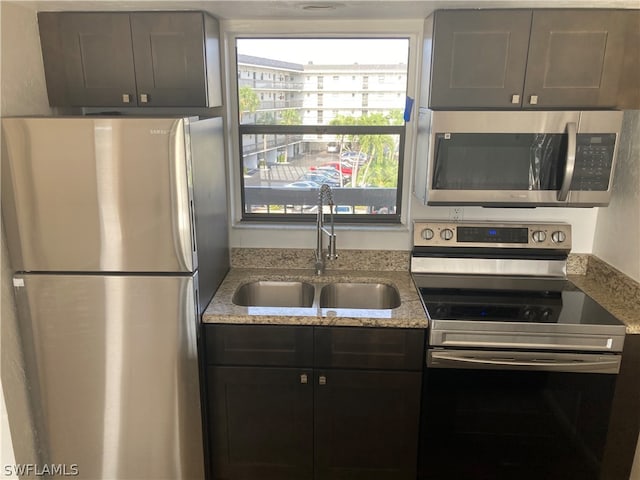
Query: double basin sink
point(370, 296)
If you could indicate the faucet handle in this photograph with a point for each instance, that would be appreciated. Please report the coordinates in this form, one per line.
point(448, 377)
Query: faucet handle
point(331, 250)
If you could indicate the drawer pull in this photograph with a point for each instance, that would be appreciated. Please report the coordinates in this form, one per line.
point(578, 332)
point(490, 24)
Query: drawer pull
point(322, 380)
point(304, 379)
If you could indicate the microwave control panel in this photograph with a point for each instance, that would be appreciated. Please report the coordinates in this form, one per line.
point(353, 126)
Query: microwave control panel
point(594, 157)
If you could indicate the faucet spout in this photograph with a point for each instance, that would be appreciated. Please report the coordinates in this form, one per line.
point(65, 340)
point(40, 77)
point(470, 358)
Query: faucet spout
point(324, 194)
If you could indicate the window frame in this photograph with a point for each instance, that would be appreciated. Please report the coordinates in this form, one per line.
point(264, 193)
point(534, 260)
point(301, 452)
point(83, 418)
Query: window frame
point(231, 30)
point(260, 129)
point(323, 129)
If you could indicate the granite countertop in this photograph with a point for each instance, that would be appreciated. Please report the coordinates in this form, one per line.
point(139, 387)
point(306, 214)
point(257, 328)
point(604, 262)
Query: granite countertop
point(410, 313)
point(612, 289)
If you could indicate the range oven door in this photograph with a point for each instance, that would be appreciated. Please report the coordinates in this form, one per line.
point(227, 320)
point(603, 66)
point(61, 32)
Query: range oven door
point(516, 158)
point(505, 415)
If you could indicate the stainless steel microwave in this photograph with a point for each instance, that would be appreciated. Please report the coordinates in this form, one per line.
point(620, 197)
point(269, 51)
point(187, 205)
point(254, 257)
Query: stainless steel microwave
point(528, 158)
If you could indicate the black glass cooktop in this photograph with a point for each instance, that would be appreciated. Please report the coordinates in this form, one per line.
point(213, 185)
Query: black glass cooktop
point(490, 300)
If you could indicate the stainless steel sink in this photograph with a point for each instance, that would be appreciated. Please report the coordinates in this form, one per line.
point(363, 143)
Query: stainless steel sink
point(274, 294)
point(375, 296)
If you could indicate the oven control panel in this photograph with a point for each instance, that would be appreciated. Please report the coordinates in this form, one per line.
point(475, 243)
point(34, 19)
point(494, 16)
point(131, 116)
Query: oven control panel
point(555, 236)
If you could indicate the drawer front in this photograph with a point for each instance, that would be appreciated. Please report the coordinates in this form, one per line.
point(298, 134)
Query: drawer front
point(263, 345)
point(375, 348)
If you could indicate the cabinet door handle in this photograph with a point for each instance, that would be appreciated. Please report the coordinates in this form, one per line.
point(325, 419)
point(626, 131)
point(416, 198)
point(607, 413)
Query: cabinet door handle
point(304, 379)
point(515, 98)
point(144, 98)
point(533, 100)
point(126, 98)
point(322, 380)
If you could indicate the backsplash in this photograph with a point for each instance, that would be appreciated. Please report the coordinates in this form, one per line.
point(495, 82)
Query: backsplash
point(380, 260)
point(577, 263)
point(283, 258)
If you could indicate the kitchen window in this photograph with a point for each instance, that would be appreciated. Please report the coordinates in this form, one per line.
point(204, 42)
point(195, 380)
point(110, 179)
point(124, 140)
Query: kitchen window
point(289, 148)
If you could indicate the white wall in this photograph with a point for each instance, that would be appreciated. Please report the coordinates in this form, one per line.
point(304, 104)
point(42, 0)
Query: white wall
point(617, 238)
point(23, 92)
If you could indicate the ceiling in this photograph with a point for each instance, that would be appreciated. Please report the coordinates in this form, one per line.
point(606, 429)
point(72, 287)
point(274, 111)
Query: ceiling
point(315, 9)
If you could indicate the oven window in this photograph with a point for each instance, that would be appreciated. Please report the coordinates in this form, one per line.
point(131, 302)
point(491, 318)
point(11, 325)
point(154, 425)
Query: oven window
point(488, 424)
point(471, 161)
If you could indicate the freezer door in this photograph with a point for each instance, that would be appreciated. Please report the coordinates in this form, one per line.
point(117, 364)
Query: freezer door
point(97, 194)
point(113, 368)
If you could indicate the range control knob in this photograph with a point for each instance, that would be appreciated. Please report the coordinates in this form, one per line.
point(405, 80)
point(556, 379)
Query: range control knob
point(446, 234)
point(427, 234)
point(558, 236)
point(529, 314)
point(539, 236)
point(546, 315)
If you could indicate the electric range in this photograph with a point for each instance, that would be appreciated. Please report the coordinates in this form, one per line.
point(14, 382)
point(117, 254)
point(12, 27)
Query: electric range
point(521, 364)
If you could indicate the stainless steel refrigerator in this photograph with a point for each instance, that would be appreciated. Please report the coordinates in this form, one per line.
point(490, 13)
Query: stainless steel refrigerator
point(117, 230)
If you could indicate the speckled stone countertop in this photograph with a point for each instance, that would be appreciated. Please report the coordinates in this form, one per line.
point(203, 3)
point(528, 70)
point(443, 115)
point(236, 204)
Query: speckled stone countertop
point(410, 313)
point(612, 289)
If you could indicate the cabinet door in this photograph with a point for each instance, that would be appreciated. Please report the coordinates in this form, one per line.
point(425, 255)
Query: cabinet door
point(366, 424)
point(260, 423)
point(479, 58)
point(575, 59)
point(88, 59)
point(169, 58)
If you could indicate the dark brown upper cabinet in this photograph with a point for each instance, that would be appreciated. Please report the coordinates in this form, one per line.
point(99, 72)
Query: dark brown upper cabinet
point(513, 59)
point(154, 59)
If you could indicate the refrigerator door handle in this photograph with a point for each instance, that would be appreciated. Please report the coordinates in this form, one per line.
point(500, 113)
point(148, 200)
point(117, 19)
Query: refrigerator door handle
point(181, 204)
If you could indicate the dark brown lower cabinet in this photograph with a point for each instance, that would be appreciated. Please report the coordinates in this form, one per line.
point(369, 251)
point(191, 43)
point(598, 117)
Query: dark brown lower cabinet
point(260, 423)
point(366, 424)
point(302, 403)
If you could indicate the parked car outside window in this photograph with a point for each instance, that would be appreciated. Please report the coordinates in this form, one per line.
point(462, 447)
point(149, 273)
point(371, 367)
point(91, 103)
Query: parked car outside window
point(345, 167)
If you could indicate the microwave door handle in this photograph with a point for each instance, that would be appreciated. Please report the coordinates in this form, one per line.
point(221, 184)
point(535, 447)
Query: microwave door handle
point(570, 162)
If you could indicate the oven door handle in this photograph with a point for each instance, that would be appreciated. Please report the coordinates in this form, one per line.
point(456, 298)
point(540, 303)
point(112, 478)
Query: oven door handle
point(610, 364)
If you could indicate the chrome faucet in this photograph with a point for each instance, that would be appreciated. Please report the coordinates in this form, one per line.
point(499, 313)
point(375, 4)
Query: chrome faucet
point(325, 193)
